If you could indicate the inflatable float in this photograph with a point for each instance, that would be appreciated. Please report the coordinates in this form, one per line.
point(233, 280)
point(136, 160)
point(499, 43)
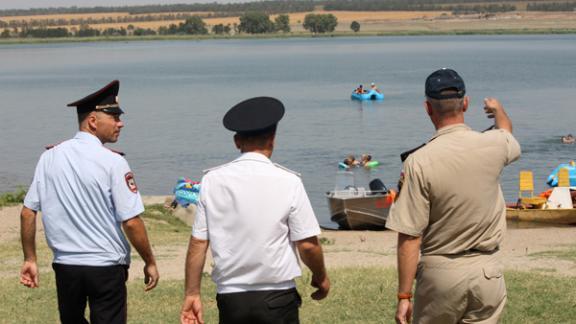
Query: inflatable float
point(369, 95)
point(368, 165)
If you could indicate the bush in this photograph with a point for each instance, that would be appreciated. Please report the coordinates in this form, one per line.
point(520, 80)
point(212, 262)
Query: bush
point(320, 23)
point(255, 23)
point(282, 23)
point(221, 29)
point(355, 26)
point(12, 198)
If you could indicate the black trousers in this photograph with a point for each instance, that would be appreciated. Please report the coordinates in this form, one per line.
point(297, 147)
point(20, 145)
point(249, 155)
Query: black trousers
point(259, 307)
point(104, 288)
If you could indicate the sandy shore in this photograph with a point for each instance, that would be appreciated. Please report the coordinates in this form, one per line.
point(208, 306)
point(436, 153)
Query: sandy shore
point(366, 249)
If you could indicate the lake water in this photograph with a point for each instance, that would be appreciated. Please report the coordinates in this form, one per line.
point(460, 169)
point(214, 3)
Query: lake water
point(176, 92)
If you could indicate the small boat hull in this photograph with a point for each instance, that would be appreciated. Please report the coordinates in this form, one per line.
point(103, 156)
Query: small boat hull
point(550, 216)
point(359, 213)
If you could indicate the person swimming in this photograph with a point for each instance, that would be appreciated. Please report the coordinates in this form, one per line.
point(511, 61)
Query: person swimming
point(568, 139)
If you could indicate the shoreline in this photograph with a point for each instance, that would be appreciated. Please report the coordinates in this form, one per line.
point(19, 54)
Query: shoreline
point(456, 32)
point(544, 250)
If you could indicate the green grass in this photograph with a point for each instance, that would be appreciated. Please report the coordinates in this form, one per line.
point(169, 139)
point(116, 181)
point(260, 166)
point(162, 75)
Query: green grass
point(12, 198)
point(359, 295)
point(300, 34)
point(568, 254)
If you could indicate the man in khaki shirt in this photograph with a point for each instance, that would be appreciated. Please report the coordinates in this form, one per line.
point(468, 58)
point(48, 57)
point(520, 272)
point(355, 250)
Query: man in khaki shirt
point(450, 214)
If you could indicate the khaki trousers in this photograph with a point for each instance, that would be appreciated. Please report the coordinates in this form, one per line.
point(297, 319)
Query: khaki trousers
point(467, 288)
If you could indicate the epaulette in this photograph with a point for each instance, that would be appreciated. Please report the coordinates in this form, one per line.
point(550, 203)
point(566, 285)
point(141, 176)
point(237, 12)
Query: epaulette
point(51, 146)
point(286, 169)
point(117, 152)
point(216, 167)
point(404, 155)
point(489, 128)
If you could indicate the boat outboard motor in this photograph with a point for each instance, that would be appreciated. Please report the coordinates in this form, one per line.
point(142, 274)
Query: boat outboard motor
point(377, 186)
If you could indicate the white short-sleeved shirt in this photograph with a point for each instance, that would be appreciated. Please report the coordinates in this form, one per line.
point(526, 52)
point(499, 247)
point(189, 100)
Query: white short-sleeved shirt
point(85, 191)
point(252, 211)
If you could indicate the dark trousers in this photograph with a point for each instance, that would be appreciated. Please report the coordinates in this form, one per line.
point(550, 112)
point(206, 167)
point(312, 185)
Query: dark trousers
point(104, 288)
point(259, 307)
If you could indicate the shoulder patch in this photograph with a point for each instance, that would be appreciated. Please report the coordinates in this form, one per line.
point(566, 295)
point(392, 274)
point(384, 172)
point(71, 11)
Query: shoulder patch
point(406, 154)
point(51, 146)
point(286, 169)
point(130, 182)
point(117, 152)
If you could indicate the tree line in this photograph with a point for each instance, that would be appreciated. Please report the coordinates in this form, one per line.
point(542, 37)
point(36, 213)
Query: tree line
point(270, 7)
point(250, 23)
point(552, 6)
point(287, 6)
point(47, 22)
point(455, 6)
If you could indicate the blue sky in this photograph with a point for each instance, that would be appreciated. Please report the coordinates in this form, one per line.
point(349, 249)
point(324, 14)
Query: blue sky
point(25, 4)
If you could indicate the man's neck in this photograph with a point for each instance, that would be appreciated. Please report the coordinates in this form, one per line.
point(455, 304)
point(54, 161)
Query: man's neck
point(267, 153)
point(448, 121)
point(89, 131)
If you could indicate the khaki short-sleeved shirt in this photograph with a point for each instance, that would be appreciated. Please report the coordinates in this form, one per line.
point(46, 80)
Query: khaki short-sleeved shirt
point(451, 195)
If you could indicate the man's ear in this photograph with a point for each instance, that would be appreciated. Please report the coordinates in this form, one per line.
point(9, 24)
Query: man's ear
point(428, 107)
point(272, 141)
point(465, 103)
point(237, 142)
point(92, 120)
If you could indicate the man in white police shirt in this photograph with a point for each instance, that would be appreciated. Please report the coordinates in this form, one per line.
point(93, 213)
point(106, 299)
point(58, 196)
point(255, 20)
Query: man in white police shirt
point(87, 195)
point(254, 215)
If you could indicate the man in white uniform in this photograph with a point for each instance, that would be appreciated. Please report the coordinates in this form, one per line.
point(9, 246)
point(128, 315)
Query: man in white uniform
point(87, 195)
point(255, 215)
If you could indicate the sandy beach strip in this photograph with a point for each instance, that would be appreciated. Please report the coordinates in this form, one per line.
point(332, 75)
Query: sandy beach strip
point(522, 248)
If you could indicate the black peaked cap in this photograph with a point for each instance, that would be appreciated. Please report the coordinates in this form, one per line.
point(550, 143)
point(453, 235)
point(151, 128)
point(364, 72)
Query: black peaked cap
point(442, 80)
point(105, 99)
point(254, 115)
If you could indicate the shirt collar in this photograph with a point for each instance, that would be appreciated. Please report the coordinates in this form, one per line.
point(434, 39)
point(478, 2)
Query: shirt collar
point(450, 129)
point(253, 156)
point(87, 137)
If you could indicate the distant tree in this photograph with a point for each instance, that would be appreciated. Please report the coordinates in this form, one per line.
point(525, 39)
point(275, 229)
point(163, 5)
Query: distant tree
point(221, 29)
point(355, 26)
point(86, 31)
point(193, 25)
point(114, 32)
point(144, 31)
point(320, 23)
point(45, 32)
point(5, 33)
point(282, 23)
point(255, 23)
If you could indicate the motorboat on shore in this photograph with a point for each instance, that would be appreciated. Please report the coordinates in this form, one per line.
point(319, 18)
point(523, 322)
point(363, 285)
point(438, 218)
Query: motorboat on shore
point(359, 209)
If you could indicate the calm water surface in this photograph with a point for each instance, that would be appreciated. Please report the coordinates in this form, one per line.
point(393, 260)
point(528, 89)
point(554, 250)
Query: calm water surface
point(176, 92)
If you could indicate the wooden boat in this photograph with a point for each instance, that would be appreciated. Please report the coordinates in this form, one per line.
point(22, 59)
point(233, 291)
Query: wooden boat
point(551, 216)
point(357, 209)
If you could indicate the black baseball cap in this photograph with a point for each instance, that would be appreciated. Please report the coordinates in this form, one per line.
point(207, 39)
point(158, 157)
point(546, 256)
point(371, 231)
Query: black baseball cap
point(254, 115)
point(442, 80)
